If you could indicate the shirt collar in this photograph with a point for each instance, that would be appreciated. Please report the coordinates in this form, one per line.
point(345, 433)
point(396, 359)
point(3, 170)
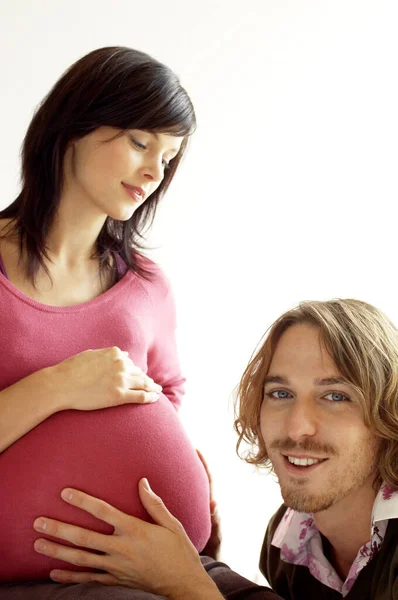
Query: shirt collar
point(385, 507)
point(300, 542)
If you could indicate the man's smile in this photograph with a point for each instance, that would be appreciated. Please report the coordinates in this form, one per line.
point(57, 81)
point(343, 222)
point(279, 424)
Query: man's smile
point(300, 465)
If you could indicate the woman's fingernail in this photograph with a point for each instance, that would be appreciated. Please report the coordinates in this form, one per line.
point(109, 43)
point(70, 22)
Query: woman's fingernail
point(55, 575)
point(40, 524)
point(153, 396)
point(66, 495)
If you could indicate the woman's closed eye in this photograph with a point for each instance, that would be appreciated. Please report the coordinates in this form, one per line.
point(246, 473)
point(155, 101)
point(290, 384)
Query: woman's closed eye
point(137, 144)
point(165, 163)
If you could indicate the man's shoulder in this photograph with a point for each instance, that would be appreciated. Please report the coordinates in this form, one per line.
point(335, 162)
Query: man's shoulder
point(269, 553)
point(286, 578)
point(376, 580)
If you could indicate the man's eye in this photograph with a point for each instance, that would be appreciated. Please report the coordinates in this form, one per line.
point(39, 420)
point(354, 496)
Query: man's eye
point(337, 397)
point(278, 395)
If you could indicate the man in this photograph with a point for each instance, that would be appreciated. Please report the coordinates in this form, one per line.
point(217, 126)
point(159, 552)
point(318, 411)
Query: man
point(326, 379)
point(319, 405)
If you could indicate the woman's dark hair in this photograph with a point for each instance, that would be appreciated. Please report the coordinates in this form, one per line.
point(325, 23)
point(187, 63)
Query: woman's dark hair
point(117, 87)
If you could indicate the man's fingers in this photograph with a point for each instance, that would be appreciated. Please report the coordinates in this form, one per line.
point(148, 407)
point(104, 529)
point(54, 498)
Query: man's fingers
point(74, 556)
point(77, 577)
point(204, 463)
point(206, 468)
point(71, 533)
point(156, 508)
point(96, 507)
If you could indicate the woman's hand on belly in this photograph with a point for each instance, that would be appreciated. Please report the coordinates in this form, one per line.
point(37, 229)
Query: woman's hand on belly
point(158, 558)
point(101, 378)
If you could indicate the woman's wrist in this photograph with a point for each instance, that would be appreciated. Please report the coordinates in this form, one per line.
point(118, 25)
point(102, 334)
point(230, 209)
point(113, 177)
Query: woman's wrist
point(26, 404)
point(51, 385)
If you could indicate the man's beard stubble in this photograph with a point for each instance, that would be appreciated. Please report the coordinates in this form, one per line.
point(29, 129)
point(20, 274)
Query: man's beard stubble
point(337, 486)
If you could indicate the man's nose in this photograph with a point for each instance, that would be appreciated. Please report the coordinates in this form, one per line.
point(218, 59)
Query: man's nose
point(301, 419)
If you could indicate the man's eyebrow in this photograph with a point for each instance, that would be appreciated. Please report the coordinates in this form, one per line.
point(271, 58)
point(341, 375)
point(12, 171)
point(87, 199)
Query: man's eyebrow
point(331, 381)
point(276, 379)
point(319, 382)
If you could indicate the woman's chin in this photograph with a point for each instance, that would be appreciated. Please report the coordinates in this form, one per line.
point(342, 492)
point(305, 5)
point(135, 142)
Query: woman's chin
point(122, 215)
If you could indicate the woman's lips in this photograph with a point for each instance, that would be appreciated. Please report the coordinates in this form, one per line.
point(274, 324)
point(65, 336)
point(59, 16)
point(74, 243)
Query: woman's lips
point(136, 193)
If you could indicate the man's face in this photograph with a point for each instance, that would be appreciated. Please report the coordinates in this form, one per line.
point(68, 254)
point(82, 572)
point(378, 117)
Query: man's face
point(312, 425)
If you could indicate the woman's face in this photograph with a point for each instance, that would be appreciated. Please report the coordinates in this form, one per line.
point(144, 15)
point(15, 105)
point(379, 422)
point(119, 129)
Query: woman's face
point(114, 176)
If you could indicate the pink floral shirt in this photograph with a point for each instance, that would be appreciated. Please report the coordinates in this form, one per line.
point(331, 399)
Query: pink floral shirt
point(300, 541)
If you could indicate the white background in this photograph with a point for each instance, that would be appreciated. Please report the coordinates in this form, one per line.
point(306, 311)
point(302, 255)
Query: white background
point(288, 192)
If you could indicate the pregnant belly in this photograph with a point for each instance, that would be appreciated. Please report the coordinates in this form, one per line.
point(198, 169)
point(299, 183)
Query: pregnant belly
point(103, 453)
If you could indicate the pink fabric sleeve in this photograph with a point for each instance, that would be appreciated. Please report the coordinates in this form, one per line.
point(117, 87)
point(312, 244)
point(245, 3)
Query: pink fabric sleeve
point(163, 363)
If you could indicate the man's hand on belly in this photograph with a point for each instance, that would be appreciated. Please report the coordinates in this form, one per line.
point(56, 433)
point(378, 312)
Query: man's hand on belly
point(158, 557)
point(212, 547)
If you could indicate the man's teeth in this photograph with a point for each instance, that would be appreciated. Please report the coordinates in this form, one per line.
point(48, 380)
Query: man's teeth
point(303, 462)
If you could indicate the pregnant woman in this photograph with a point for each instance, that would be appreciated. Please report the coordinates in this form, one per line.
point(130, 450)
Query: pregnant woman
point(90, 382)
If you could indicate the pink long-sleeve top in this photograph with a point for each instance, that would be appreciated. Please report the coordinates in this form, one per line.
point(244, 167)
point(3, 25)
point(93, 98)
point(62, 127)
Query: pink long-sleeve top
point(103, 452)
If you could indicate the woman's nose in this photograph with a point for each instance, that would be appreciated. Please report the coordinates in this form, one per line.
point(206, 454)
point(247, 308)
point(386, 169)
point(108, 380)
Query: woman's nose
point(154, 170)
